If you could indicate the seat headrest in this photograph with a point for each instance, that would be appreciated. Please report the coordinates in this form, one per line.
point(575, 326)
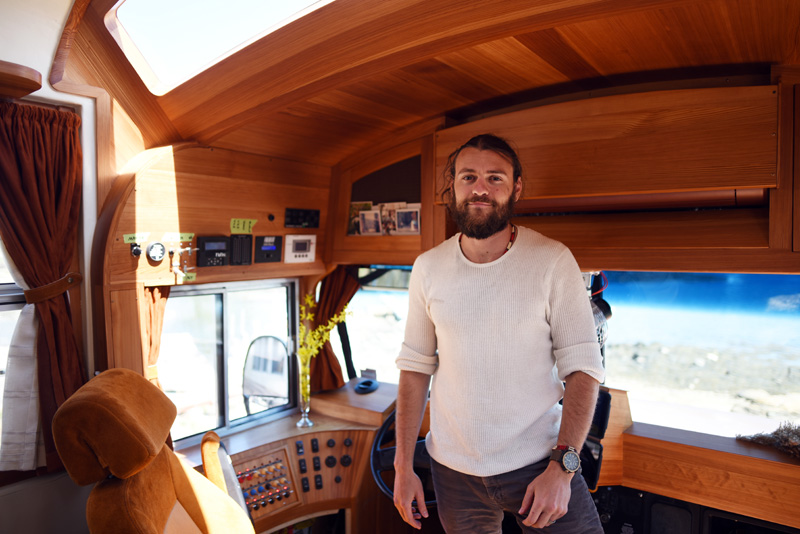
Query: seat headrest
point(114, 424)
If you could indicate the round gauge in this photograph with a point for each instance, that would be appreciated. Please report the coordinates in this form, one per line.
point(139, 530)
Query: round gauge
point(156, 251)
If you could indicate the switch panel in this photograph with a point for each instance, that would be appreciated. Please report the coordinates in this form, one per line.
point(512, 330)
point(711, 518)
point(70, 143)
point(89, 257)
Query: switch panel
point(299, 218)
point(266, 483)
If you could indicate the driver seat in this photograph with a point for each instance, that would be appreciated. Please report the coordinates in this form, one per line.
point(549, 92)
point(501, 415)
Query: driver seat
point(112, 433)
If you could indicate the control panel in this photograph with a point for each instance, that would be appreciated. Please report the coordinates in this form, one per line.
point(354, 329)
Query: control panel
point(266, 483)
point(300, 471)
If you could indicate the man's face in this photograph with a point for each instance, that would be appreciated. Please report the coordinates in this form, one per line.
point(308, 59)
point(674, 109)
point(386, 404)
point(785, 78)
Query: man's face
point(484, 192)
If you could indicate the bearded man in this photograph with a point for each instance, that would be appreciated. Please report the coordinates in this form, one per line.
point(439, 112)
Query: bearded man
point(499, 319)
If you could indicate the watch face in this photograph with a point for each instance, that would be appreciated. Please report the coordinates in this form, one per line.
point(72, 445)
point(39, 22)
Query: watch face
point(571, 461)
point(156, 251)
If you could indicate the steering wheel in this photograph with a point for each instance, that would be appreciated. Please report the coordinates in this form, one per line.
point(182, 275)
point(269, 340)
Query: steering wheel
point(381, 460)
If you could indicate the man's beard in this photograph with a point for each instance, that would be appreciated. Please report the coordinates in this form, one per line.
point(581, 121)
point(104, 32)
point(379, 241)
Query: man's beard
point(478, 225)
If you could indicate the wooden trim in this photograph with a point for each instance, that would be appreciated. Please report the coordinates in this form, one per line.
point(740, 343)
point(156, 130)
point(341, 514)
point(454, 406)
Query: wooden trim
point(731, 228)
point(719, 260)
point(17, 81)
point(713, 471)
point(428, 193)
point(788, 79)
point(780, 198)
point(796, 172)
point(619, 421)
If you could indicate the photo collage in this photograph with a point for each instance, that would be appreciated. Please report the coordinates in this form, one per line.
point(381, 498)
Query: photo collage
point(388, 218)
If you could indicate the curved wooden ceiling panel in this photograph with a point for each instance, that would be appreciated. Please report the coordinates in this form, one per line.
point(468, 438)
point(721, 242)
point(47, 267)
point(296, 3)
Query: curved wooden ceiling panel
point(355, 71)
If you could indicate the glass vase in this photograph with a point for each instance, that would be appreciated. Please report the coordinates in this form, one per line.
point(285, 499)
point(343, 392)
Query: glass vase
point(305, 396)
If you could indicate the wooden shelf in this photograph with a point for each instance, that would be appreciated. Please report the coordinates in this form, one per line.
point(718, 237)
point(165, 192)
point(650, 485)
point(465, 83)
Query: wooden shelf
point(17, 81)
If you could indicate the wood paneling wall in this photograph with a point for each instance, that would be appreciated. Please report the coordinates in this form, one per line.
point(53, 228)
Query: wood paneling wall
point(198, 190)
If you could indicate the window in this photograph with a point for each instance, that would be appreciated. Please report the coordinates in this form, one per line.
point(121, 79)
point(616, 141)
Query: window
point(173, 37)
point(377, 322)
point(712, 353)
point(11, 302)
point(206, 336)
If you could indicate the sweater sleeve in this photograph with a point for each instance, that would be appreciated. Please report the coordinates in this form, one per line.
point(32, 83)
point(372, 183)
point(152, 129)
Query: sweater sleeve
point(574, 335)
point(418, 351)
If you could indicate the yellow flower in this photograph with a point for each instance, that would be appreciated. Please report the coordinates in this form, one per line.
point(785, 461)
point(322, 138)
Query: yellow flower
point(311, 341)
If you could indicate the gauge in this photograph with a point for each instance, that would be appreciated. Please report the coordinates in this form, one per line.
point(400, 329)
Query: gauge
point(156, 251)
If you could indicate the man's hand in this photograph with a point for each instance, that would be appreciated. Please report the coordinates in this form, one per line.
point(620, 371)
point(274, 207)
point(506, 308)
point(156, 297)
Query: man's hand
point(409, 498)
point(546, 498)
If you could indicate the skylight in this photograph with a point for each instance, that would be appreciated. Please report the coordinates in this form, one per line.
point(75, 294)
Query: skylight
point(170, 42)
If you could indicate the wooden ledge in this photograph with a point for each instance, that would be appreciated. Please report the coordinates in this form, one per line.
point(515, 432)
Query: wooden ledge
point(17, 81)
point(711, 442)
point(723, 473)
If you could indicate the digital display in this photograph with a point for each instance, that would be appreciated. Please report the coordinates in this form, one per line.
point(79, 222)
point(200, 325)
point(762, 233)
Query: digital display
point(216, 245)
point(301, 246)
point(269, 247)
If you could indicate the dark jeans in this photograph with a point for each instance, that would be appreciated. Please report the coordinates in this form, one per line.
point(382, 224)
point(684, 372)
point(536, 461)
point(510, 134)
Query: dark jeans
point(475, 505)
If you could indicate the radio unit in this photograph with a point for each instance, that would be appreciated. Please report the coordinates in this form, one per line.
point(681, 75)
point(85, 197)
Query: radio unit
point(212, 251)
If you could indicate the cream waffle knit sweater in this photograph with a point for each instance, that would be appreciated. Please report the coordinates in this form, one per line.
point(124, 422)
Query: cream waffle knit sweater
point(498, 339)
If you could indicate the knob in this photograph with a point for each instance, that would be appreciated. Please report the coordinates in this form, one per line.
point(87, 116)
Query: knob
point(136, 250)
point(348, 442)
point(330, 461)
point(331, 443)
point(346, 460)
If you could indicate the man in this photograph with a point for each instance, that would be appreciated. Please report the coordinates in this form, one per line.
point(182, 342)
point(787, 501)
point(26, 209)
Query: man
point(498, 316)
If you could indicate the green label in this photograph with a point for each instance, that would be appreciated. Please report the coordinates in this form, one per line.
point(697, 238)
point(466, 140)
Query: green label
point(139, 237)
point(243, 226)
point(175, 237)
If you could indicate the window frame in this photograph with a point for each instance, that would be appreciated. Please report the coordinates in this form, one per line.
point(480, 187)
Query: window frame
point(229, 426)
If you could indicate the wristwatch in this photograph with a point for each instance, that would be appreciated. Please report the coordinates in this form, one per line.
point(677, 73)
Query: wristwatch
point(567, 457)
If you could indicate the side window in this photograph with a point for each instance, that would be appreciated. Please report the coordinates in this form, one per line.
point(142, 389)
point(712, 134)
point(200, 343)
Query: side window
point(377, 323)
point(717, 353)
point(204, 365)
point(11, 302)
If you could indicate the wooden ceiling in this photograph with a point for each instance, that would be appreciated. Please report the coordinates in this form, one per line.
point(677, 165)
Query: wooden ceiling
point(357, 73)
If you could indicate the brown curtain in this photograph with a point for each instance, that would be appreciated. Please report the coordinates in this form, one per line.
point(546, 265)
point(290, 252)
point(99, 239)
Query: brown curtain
point(40, 198)
point(336, 291)
point(156, 302)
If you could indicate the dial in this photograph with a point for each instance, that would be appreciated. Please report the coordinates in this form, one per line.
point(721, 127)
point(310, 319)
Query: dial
point(156, 251)
point(571, 461)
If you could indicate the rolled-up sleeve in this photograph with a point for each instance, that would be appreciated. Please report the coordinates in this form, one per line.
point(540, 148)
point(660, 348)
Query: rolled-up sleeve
point(575, 346)
point(418, 351)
